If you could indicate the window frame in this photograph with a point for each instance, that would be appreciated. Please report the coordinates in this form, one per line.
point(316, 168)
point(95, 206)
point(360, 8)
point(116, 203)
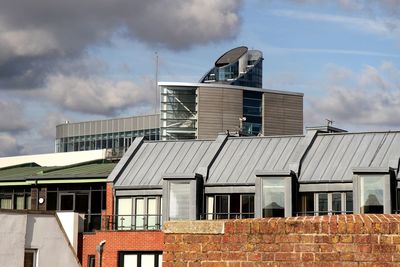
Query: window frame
point(139, 254)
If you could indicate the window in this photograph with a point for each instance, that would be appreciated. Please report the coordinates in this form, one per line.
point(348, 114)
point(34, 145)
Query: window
point(179, 193)
point(91, 261)
point(372, 194)
point(273, 197)
point(139, 213)
point(333, 203)
point(140, 259)
point(30, 258)
point(230, 206)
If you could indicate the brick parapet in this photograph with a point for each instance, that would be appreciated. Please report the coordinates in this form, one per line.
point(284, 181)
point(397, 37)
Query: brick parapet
point(351, 240)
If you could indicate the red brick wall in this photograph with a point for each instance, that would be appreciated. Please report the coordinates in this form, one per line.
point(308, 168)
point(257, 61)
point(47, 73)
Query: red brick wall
point(120, 241)
point(344, 240)
point(109, 199)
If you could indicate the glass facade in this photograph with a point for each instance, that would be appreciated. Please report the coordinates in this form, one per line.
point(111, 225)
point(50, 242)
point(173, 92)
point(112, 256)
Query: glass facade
point(245, 71)
point(252, 111)
point(178, 113)
point(119, 141)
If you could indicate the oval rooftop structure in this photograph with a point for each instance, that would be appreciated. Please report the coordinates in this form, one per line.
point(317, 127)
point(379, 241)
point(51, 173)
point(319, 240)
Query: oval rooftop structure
point(231, 56)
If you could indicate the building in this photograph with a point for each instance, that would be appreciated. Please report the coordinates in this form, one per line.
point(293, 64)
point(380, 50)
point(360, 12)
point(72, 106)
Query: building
point(239, 66)
point(115, 135)
point(327, 171)
point(228, 98)
point(34, 239)
point(202, 111)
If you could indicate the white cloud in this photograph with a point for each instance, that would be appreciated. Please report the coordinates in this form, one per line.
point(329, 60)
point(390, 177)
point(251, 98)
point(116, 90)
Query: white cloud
point(93, 95)
point(369, 98)
point(380, 26)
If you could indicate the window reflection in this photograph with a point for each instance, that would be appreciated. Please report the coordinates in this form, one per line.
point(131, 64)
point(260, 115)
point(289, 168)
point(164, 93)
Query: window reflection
point(372, 194)
point(273, 202)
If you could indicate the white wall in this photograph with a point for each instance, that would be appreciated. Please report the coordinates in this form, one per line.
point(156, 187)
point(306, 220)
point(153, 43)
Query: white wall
point(44, 233)
point(54, 159)
point(12, 239)
point(70, 223)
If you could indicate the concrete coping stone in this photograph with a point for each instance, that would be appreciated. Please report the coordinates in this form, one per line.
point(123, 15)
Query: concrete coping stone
point(194, 227)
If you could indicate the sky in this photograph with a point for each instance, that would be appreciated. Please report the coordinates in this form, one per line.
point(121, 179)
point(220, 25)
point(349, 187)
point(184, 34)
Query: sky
point(95, 59)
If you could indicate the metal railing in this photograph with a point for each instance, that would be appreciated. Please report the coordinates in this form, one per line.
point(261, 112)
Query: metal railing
point(226, 216)
point(93, 222)
point(321, 213)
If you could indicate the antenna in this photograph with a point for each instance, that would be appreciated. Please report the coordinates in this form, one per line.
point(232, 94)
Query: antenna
point(156, 101)
point(329, 122)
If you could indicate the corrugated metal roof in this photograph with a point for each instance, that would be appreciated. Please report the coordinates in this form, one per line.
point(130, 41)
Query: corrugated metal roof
point(241, 157)
point(333, 156)
point(92, 169)
point(86, 170)
point(153, 159)
point(20, 172)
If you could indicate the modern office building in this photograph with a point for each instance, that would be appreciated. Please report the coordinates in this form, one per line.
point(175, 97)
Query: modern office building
point(228, 98)
point(202, 111)
point(115, 135)
point(239, 66)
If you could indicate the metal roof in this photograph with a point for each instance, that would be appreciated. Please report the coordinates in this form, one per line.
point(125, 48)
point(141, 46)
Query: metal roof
point(241, 157)
point(155, 158)
point(332, 157)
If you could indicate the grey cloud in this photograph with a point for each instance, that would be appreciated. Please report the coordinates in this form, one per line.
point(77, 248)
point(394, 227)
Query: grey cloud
point(12, 118)
point(370, 98)
point(36, 35)
point(9, 146)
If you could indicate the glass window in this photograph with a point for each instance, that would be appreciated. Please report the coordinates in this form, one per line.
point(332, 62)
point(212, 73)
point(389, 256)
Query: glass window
point(322, 203)
point(152, 213)
point(20, 202)
point(30, 258)
point(91, 261)
point(306, 205)
point(372, 190)
point(66, 201)
point(179, 194)
point(221, 206)
point(6, 202)
point(140, 259)
point(247, 206)
point(139, 213)
point(336, 203)
point(273, 201)
point(124, 213)
point(349, 202)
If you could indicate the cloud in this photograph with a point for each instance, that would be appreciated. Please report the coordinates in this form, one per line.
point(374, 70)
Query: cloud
point(12, 119)
point(93, 95)
point(365, 99)
point(36, 36)
point(379, 26)
point(9, 146)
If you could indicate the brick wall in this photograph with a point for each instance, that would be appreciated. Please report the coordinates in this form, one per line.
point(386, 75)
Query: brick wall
point(109, 199)
point(343, 240)
point(120, 241)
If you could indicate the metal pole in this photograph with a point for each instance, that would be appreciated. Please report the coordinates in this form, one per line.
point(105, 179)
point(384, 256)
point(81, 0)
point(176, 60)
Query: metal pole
point(156, 102)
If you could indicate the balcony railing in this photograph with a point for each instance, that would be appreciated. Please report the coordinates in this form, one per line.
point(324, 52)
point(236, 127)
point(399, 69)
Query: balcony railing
point(320, 213)
point(226, 216)
point(94, 222)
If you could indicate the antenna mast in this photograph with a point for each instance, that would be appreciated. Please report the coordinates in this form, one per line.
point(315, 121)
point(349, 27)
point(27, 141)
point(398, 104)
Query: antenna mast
point(156, 102)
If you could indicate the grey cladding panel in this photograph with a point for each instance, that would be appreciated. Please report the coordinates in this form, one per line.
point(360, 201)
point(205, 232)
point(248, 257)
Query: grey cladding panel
point(333, 157)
